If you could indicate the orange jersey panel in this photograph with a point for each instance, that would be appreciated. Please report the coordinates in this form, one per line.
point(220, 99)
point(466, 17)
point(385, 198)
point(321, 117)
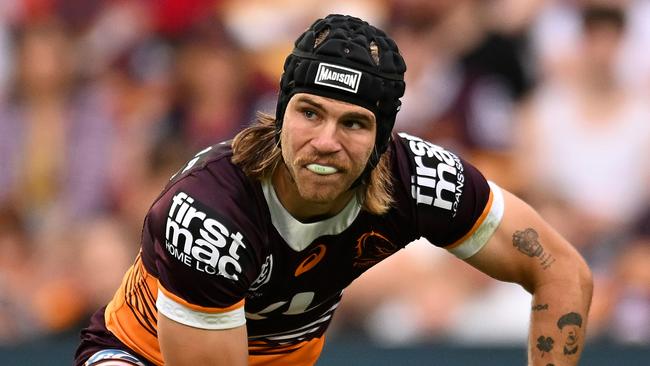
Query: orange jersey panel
point(132, 316)
point(303, 354)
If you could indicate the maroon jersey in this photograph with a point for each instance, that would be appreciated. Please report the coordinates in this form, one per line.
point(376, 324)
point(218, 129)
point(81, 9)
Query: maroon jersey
point(219, 250)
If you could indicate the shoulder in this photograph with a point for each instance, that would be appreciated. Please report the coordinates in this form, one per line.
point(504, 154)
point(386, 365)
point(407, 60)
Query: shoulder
point(211, 178)
point(211, 212)
point(445, 195)
point(436, 176)
point(212, 159)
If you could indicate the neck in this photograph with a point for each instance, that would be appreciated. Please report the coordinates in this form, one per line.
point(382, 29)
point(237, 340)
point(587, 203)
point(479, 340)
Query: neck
point(302, 209)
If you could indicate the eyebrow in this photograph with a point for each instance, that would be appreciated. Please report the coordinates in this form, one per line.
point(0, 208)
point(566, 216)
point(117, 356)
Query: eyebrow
point(355, 115)
point(311, 102)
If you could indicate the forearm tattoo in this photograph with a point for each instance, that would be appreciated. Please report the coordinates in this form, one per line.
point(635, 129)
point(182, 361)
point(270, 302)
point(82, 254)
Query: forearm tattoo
point(527, 242)
point(545, 344)
point(539, 307)
point(570, 325)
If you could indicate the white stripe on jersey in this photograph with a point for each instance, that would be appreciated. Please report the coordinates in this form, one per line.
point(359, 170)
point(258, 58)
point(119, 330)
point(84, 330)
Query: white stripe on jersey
point(297, 331)
point(212, 321)
point(480, 237)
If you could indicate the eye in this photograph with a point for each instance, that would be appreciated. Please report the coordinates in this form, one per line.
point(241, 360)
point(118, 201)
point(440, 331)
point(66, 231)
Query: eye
point(309, 114)
point(353, 124)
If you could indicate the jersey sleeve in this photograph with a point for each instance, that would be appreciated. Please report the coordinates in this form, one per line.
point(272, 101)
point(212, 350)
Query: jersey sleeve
point(452, 204)
point(205, 253)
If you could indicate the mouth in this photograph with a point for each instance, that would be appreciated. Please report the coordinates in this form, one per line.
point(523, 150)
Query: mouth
point(321, 169)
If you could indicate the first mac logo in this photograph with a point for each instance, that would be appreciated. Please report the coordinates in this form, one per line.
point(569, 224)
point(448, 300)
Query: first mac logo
point(211, 249)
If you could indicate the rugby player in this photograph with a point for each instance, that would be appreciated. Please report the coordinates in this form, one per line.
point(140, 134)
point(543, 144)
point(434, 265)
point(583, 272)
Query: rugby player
point(246, 252)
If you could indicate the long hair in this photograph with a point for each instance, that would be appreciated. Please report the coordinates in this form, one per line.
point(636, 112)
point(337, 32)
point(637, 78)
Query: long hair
point(257, 153)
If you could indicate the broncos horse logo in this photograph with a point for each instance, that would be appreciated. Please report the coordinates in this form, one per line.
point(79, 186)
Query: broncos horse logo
point(372, 248)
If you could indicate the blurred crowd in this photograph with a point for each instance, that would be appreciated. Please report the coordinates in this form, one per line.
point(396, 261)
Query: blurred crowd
point(101, 101)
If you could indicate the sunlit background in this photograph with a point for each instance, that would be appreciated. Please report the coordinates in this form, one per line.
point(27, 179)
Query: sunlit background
point(101, 101)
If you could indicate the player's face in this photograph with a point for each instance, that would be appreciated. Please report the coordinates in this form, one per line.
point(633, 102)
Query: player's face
point(326, 144)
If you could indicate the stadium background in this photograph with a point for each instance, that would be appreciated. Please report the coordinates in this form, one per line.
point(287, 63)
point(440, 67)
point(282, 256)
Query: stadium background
point(102, 100)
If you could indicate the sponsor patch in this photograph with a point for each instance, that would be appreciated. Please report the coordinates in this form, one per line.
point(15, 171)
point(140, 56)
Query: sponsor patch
point(338, 77)
point(438, 180)
point(202, 242)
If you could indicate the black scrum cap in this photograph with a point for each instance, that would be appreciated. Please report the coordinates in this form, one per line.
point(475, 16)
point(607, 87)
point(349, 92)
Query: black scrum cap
point(347, 59)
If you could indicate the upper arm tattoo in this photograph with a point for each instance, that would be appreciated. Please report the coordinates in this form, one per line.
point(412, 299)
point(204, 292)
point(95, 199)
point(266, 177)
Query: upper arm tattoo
point(527, 242)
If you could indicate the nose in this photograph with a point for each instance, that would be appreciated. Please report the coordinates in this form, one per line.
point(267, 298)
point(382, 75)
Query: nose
point(326, 139)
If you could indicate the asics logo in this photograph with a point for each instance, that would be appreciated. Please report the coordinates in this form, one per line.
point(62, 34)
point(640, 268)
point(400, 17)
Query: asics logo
point(312, 259)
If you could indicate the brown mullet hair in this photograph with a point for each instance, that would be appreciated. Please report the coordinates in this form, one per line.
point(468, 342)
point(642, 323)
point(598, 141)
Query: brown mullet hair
point(258, 154)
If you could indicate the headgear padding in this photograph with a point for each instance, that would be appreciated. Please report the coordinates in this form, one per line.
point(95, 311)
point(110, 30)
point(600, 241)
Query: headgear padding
point(347, 59)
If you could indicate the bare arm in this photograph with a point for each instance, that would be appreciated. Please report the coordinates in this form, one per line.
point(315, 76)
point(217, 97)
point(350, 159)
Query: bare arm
point(183, 345)
point(527, 251)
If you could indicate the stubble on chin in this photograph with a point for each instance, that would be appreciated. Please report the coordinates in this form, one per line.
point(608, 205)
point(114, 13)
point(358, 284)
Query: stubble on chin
point(307, 184)
point(312, 190)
